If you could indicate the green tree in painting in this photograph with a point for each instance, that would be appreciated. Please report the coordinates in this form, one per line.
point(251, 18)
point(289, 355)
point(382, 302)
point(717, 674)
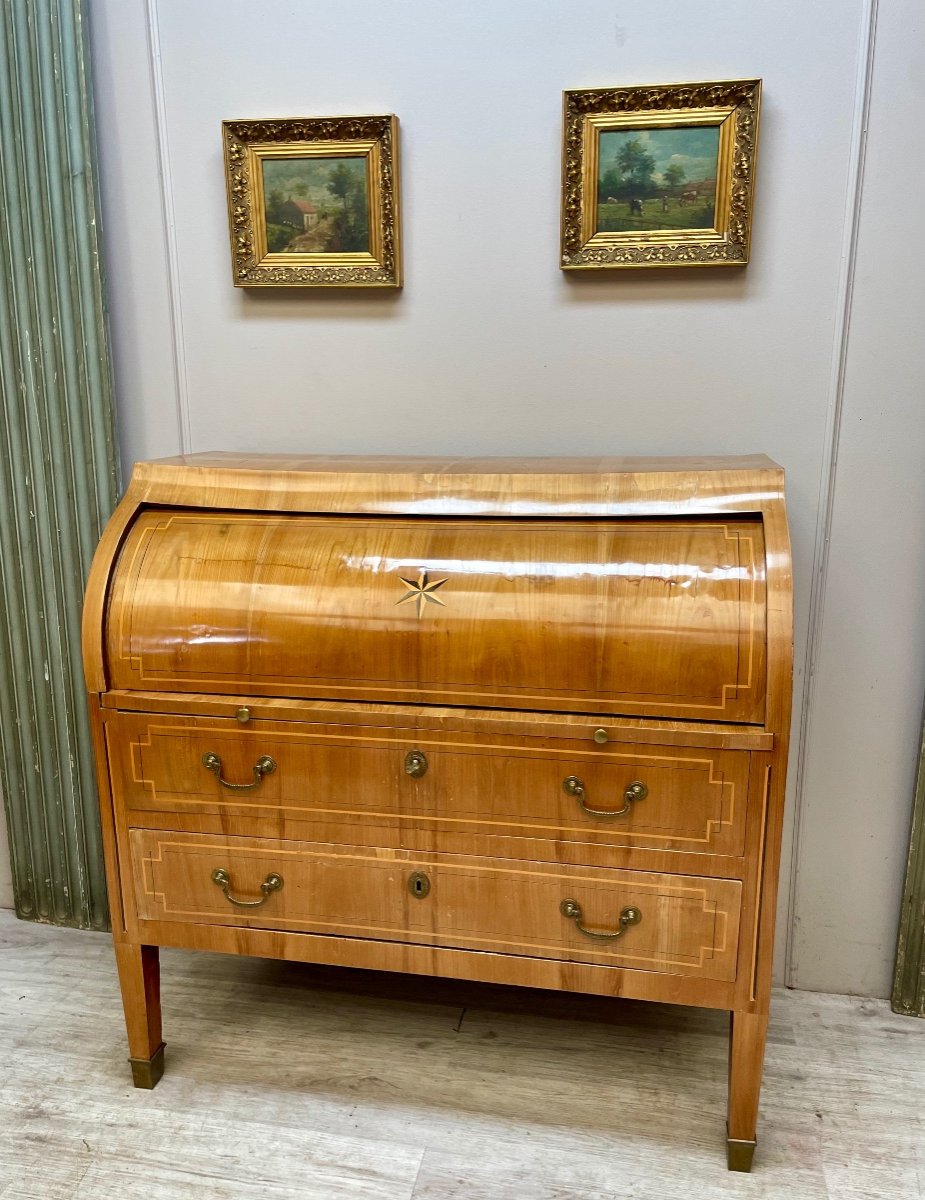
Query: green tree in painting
point(350, 229)
point(630, 176)
point(674, 177)
point(637, 166)
point(611, 185)
point(342, 184)
point(278, 237)
point(274, 206)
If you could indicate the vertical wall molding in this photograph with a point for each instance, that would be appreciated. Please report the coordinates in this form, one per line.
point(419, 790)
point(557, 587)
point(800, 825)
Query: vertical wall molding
point(909, 981)
point(181, 386)
point(828, 477)
point(58, 472)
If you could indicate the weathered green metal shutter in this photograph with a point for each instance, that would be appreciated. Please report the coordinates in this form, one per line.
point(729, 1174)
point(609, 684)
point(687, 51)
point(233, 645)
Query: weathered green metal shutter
point(58, 474)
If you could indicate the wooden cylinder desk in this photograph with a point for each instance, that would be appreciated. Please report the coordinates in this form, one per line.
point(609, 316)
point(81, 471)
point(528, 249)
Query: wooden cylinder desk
point(514, 720)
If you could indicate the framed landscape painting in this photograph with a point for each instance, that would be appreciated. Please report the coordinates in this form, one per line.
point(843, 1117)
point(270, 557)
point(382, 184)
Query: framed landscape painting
point(659, 176)
point(314, 201)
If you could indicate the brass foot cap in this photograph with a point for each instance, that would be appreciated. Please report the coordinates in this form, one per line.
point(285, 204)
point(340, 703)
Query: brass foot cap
point(147, 1071)
point(739, 1154)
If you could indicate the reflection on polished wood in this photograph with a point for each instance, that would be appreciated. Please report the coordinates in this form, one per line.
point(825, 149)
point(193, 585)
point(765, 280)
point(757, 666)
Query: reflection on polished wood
point(585, 662)
point(654, 617)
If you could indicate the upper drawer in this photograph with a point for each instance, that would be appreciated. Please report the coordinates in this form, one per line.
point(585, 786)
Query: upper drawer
point(639, 617)
point(340, 783)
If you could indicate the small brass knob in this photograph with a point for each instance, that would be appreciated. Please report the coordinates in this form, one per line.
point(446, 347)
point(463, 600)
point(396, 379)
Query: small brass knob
point(244, 715)
point(416, 763)
point(600, 736)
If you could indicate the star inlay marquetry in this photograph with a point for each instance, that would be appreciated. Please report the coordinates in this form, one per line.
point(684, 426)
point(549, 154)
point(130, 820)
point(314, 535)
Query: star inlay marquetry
point(422, 591)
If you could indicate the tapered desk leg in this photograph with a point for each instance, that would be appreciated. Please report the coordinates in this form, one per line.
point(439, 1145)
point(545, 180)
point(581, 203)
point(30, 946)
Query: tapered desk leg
point(747, 1036)
point(140, 980)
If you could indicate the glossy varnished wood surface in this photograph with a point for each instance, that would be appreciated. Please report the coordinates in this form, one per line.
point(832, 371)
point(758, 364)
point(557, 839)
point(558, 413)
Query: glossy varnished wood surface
point(337, 782)
point(443, 486)
point(689, 925)
point(653, 615)
point(446, 486)
point(552, 728)
point(651, 618)
point(591, 488)
point(468, 468)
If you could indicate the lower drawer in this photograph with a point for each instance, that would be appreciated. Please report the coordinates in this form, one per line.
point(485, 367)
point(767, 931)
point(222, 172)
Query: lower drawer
point(679, 924)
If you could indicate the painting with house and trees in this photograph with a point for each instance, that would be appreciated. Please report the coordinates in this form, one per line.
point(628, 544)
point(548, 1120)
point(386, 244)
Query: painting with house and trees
point(314, 201)
point(316, 205)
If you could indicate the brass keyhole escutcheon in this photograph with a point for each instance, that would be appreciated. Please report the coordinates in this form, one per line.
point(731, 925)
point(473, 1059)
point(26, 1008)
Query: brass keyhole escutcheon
point(415, 763)
point(418, 885)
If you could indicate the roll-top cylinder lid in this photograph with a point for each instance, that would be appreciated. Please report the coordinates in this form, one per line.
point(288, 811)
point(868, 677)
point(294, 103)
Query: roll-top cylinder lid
point(632, 616)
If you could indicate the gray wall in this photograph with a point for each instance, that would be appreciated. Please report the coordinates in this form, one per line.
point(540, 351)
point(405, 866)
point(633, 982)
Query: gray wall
point(864, 710)
point(813, 354)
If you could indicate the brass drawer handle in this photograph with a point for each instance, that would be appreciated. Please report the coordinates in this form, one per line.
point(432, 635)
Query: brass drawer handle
point(263, 766)
point(629, 916)
point(272, 883)
point(636, 791)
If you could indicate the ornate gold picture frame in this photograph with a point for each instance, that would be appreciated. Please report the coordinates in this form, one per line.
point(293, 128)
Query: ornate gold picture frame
point(314, 201)
point(659, 176)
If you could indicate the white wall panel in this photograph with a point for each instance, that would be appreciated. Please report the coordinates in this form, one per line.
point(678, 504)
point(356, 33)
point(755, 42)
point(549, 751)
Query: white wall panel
point(144, 358)
point(869, 679)
point(490, 348)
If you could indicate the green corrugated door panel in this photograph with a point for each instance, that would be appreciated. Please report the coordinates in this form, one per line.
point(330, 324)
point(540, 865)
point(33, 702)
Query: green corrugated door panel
point(58, 473)
point(909, 981)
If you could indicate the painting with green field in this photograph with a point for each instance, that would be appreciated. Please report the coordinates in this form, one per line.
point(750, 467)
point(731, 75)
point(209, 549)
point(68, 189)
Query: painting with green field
point(316, 205)
point(657, 179)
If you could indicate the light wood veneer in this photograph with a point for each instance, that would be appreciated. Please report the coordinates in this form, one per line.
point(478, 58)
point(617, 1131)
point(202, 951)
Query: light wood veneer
point(506, 615)
point(689, 925)
point(587, 661)
point(340, 777)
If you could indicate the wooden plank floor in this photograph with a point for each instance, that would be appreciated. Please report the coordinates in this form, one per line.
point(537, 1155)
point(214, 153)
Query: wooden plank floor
point(318, 1084)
